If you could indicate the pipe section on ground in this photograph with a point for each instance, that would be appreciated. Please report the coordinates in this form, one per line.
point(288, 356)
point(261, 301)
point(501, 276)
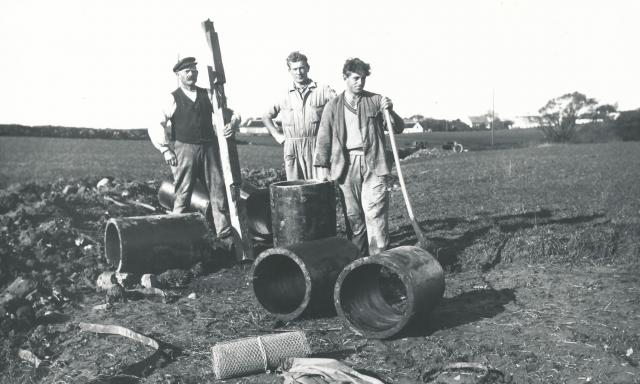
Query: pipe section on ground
point(256, 201)
point(381, 295)
point(302, 210)
point(152, 244)
point(298, 279)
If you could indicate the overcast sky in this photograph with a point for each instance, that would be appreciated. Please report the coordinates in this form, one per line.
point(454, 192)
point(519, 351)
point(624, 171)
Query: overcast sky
point(108, 63)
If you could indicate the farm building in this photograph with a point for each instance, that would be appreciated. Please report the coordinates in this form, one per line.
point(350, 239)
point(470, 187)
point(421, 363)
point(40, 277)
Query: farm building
point(523, 122)
point(478, 122)
point(413, 127)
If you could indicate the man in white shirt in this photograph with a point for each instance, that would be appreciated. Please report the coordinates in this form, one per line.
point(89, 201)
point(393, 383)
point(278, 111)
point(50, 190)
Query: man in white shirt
point(188, 142)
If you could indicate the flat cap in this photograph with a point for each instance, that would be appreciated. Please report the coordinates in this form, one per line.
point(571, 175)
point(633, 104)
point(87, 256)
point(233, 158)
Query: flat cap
point(184, 63)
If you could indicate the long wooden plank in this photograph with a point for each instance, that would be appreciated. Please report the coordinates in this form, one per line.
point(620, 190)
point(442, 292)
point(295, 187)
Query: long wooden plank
point(228, 150)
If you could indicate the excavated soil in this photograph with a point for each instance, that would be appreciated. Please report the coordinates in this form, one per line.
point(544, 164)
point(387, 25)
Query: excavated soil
point(537, 295)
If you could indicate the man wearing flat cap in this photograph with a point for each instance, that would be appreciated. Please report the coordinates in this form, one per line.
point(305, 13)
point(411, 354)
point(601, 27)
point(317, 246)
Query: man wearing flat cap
point(187, 140)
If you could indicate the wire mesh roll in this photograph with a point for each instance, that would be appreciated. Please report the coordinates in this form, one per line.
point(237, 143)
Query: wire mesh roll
point(257, 354)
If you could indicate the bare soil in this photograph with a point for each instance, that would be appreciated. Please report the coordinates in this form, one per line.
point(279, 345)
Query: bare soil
point(542, 281)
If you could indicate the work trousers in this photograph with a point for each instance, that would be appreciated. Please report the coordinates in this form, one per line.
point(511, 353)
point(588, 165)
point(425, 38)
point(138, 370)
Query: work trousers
point(298, 158)
point(365, 196)
point(201, 162)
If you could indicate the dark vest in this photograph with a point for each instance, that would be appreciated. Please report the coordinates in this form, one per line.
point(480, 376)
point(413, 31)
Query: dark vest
point(191, 121)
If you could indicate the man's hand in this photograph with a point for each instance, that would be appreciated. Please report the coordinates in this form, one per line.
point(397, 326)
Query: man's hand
point(170, 158)
point(229, 130)
point(386, 103)
point(279, 137)
point(322, 173)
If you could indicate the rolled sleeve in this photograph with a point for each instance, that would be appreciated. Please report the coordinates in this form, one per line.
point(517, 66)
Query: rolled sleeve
point(273, 111)
point(160, 134)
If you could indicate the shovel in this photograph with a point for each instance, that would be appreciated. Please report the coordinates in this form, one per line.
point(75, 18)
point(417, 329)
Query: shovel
point(422, 240)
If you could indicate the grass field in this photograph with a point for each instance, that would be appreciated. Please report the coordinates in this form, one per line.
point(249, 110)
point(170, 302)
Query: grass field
point(46, 159)
point(540, 243)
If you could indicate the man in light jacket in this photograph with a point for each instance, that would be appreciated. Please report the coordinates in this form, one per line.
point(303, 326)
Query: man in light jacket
point(350, 149)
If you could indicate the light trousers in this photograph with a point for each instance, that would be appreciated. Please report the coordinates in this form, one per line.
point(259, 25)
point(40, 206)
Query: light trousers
point(365, 196)
point(201, 162)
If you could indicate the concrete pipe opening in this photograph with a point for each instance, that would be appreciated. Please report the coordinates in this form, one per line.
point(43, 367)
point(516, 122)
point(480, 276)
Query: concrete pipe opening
point(280, 283)
point(381, 295)
point(374, 299)
point(113, 245)
point(299, 279)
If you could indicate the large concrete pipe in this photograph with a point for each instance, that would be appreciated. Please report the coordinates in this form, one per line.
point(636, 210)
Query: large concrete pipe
point(380, 295)
point(302, 210)
point(299, 278)
point(256, 201)
point(199, 198)
point(152, 244)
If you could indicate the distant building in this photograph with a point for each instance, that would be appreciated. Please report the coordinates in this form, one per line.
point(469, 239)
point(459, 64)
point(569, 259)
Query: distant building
point(478, 122)
point(524, 122)
point(412, 127)
point(253, 127)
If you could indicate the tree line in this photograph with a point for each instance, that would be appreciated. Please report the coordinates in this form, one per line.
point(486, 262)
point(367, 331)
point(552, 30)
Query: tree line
point(71, 132)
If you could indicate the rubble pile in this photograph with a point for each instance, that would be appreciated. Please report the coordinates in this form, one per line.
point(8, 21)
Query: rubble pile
point(52, 245)
point(416, 153)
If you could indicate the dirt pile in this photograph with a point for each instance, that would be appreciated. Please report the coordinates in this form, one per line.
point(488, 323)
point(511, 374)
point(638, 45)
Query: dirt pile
point(52, 236)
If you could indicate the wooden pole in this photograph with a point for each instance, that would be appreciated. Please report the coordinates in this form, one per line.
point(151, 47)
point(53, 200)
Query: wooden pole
point(228, 150)
point(424, 243)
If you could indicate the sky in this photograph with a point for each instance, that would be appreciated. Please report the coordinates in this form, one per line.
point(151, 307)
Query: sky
point(107, 64)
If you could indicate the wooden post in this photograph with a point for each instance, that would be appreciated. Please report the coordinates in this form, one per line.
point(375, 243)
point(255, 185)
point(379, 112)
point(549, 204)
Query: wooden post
point(228, 150)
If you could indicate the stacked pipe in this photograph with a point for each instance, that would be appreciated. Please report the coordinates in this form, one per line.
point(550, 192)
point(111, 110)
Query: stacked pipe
point(311, 272)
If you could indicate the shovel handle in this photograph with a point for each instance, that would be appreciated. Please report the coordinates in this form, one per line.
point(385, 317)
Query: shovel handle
point(416, 227)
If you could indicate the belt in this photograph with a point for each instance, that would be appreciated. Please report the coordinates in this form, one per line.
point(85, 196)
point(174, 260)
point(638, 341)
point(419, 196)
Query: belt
point(356, 151)
point(299, 138)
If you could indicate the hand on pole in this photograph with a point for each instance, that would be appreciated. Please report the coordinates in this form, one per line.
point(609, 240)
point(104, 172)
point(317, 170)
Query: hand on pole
point(386, 103)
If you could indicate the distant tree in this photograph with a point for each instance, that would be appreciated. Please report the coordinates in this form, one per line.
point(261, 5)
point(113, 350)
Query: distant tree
point(559, 115)
point(603, 111)
point(627, 125)
point(417, 118)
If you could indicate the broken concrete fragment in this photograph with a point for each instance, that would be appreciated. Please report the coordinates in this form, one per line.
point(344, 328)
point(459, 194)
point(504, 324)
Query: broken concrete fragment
point(149, 280)
point(30, 357)
point(127, 280)
point(18, 289)
point(69, 189)
point(106, 280)
point(103, 183)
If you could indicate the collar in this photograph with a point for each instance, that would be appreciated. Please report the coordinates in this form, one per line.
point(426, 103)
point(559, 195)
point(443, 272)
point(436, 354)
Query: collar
point(312, 84)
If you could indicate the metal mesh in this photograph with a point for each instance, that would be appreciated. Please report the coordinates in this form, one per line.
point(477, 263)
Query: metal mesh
point(257, 354)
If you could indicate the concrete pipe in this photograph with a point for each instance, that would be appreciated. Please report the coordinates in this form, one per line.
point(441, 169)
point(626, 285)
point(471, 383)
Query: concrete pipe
point(152, 244)
point(381, 295)
point(256, 201)
point(199, 198)
point(302, 210)
point(299, 279)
